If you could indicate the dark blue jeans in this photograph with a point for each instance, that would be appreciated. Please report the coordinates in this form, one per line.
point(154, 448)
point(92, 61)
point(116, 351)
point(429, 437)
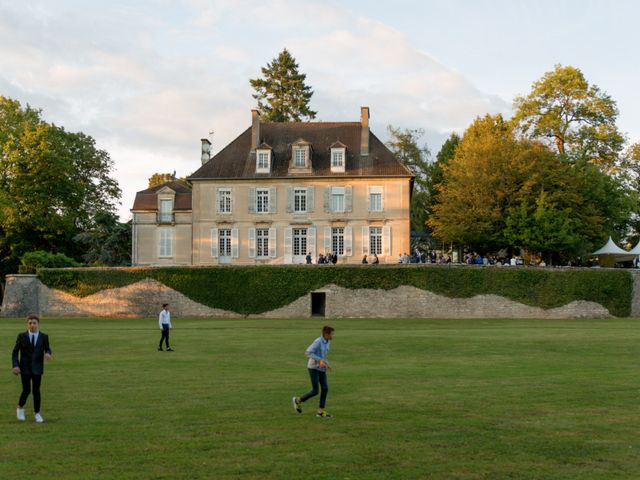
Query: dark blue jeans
point(165, 335)
point(317, 377)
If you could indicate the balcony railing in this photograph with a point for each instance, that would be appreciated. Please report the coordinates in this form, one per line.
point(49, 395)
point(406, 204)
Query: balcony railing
point(162, 217)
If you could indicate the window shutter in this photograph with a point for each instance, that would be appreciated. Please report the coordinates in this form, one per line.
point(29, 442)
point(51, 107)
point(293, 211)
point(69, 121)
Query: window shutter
point(214, 242)
point(311, 241)
point(232, 199)
point(369, 199)
point(327, 199)
point(217, 200)
point(289, 199)
point(273, 250)
point(310, 199)
point(327, 239)
point(365, 240)
point(288, 244)
point(252, 243)
point(386, 241)
point(348, 241)
point(234, 243)
point(252, 200)
point(348, 198)
point(383, 191)
point(273, 200)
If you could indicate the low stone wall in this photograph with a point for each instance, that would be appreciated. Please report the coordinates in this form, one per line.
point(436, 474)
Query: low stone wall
point(26, 294)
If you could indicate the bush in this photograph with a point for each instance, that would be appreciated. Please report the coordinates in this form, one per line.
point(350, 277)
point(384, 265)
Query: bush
point(251, 290)
point(41, 259)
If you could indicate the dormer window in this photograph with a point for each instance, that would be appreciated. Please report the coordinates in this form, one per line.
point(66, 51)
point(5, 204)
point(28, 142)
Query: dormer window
point(338, 157)
point(263, 160)
point(300, 157)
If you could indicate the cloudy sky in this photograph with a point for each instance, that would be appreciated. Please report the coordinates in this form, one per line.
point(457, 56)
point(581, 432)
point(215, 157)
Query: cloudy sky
point(148, 79)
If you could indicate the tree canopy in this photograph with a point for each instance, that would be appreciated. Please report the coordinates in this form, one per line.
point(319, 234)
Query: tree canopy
point(52, 184)
point(577, 119)
point(404, 144)
point(501, 191)
point(282, 93)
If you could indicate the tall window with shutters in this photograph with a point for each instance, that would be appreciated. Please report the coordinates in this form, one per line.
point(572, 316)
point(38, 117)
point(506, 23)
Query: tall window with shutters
point(224, 242)
point(375, 240)
point(262, 242)
point(337, 240)
point(300, 200)
point(299, 241)
point(262, 200)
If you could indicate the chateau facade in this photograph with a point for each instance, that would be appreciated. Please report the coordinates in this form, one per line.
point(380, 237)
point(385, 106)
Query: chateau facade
point(276, 193)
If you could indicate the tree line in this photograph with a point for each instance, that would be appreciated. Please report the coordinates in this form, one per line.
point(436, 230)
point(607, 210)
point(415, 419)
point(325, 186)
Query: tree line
point(556, 179)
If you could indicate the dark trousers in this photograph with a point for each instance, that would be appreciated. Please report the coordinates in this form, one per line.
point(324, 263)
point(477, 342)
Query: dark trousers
point(165, 336)
point(30, 383)
point(317, 377)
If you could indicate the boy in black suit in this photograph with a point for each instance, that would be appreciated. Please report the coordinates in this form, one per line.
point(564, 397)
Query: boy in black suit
point(32, 348)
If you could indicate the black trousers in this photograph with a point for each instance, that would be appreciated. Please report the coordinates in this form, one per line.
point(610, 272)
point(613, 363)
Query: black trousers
point(30, 383)
point(317, 377)
point(165, 336)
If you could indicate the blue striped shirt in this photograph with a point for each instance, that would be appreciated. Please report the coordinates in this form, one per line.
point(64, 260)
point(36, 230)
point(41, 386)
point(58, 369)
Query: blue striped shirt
point(318, 350)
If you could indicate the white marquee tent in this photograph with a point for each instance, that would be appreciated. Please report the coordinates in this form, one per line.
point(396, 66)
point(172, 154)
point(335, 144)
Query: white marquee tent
point(611, 253)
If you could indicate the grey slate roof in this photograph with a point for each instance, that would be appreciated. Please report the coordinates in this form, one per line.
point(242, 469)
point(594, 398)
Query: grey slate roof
point(236, 161)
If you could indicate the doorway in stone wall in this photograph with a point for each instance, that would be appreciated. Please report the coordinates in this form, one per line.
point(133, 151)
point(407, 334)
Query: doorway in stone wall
point(318, 303)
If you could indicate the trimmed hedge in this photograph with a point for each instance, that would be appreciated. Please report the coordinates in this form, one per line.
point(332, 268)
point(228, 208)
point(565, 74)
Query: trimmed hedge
point(251, 290)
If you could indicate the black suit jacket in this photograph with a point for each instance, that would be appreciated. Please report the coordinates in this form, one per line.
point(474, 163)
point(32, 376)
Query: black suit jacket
point(30, 359)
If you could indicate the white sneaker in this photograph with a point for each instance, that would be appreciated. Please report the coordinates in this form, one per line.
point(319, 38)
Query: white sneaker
point(39, 418)
point(20, 414)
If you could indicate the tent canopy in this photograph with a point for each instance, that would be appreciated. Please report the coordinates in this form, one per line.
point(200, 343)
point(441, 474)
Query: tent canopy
point(610, 253)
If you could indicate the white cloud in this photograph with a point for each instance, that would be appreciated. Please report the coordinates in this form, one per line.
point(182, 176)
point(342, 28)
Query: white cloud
point(149, 81)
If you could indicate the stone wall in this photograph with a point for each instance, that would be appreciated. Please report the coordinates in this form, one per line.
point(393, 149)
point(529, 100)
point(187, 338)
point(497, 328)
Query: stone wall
point(26, 294)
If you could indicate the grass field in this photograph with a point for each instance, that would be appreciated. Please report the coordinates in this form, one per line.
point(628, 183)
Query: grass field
point(411, 399)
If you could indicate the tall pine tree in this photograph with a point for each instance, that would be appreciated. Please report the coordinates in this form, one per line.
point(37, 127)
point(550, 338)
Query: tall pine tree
point(282, 94)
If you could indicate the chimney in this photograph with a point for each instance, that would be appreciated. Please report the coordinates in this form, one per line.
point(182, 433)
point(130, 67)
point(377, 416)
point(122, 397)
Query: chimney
point(255, 129)
point(364, 131)
point(206, 150)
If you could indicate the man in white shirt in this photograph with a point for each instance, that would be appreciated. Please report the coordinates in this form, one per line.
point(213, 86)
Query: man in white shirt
point(164, 321)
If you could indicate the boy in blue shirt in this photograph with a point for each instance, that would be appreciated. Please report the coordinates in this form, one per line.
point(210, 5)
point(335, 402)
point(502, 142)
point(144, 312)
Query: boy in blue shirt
point(317, 365)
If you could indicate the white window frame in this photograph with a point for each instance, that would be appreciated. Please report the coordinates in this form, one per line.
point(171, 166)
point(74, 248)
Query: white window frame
point(299, 153)
point(166, 210)
point(375, 240)
point(338, 166)
point(165, 242)
point(299, 240)
point(377, 206)
point(299, 200)
point(337, 240)
point(262, 242)
point(263, 161)
point(225, 204)
point(262, 200)
point(336, 193)
point(224, 242)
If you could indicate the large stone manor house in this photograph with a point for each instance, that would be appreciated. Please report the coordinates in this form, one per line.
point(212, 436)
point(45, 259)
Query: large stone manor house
point(276, 193)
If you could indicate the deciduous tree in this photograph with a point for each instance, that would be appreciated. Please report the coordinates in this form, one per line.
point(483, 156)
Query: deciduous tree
point(404, 144)
point(53, 184)
point(577, 119)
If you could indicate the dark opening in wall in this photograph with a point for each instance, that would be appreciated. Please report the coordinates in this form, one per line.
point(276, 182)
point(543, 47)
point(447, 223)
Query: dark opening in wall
point(318, 302)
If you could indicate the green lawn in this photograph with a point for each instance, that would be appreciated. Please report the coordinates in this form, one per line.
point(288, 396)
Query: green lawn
point(411, 399)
